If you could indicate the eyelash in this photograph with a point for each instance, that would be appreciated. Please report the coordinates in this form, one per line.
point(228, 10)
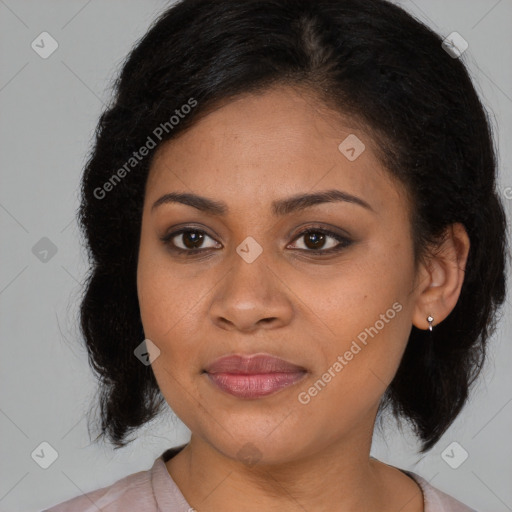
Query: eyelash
point(343, 241)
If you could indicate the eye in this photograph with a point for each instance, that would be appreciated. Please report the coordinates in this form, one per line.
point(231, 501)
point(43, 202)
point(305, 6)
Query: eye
point(315, 240)
point(190, 239)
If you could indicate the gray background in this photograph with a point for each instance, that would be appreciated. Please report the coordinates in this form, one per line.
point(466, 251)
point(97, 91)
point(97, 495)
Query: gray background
point(49, 109)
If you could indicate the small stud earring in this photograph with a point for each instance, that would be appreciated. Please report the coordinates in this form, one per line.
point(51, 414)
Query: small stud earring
point(430, 319)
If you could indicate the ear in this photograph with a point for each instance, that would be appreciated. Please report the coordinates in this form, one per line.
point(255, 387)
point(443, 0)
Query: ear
point(441, 277)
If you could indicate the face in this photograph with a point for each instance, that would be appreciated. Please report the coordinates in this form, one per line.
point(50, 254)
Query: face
point(327, 286)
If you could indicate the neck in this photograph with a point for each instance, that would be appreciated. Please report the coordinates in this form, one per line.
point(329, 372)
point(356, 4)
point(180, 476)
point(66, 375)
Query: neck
point(342, 477)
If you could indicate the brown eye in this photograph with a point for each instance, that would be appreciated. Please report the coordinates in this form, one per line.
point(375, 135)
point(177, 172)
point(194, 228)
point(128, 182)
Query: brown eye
point(314, 240)
point(192, 239)
point(187, 240)
point(317, 240)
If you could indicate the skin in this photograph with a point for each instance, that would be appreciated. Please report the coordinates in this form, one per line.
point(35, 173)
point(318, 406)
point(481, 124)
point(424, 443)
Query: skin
point(290, 302)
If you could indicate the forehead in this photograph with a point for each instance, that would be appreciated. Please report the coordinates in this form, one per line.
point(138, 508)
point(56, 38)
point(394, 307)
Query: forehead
point(263, 146)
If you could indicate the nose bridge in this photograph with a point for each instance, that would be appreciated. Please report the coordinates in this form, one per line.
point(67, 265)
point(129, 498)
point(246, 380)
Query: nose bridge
point(251, 293)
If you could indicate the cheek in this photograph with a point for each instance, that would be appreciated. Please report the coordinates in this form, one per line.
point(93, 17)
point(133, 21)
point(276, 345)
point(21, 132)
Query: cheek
point(166, 306)
point(367, 309)
point(167, 314)
point(171, 305)
point(357, 292)
point(162, 299)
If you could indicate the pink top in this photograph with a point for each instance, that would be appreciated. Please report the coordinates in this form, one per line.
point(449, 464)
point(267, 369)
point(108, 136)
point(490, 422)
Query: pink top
point(154, 490)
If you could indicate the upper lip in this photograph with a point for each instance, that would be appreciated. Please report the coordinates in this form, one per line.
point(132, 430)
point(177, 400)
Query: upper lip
point(254, 364)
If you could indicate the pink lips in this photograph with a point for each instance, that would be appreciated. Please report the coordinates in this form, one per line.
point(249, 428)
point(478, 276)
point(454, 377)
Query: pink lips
point(254, 376)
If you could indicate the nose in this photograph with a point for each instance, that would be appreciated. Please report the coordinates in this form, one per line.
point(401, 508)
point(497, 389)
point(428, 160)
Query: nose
point(251, 296)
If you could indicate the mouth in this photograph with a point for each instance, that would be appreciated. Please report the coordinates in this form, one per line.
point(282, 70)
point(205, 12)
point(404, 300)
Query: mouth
point(254, 376)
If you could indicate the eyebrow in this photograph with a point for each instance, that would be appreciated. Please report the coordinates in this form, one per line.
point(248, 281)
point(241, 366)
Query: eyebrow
point(280, 207)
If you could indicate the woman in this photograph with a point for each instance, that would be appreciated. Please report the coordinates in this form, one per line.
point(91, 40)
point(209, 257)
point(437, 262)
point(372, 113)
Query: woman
point(293, 226)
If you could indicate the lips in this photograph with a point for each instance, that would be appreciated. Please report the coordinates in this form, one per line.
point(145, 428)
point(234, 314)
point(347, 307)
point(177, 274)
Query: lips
point(253, 376)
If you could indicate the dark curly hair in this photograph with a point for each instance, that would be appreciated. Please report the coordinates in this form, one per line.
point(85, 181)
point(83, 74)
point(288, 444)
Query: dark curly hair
point(369, 60)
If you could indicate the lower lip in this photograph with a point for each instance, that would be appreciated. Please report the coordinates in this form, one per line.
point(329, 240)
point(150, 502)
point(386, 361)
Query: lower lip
point(255, 385)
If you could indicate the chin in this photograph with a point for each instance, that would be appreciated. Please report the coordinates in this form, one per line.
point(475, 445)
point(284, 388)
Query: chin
point(260, 442)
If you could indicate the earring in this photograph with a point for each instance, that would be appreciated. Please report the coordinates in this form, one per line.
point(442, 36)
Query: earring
point(430, 319)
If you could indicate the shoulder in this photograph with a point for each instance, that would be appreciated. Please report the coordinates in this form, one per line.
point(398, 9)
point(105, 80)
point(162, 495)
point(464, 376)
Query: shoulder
point(436, 500)
point(133, 492)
